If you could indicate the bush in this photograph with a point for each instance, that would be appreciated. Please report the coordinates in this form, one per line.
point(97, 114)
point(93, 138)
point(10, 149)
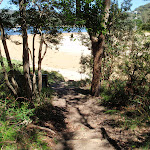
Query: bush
point(132, 96)
point(4, 91)
point(146, 26)
point(13, 123)
point(115, 96)
point(53, 76)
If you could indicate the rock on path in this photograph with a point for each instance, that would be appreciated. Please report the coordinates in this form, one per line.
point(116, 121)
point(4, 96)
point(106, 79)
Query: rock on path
point(83, 120)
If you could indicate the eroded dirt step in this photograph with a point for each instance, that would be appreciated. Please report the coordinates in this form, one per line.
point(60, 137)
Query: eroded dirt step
point(90, 144)
point(85, 144)
point(85, 135)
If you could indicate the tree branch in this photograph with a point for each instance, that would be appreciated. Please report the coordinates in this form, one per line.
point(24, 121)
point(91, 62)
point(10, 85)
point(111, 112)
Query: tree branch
point(6, 75)
point(44, 51)
point(41, 128)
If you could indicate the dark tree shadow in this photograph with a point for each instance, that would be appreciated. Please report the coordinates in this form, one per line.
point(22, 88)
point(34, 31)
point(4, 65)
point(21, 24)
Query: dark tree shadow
point(84, 120)
point(110, 140)
point(52, 114)
point(63, 90)
point(55, 117)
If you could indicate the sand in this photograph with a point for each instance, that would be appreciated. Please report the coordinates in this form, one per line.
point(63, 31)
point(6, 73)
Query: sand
point(63, 57)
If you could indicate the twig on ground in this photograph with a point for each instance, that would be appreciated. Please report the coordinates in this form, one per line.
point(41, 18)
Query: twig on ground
point(41, 128)
point(10, 142)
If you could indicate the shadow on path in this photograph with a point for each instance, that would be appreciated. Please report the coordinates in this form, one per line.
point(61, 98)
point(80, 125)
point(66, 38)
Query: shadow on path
point(82, 117)
point(111, 141)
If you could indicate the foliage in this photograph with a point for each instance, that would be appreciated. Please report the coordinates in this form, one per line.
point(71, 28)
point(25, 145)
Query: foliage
point(119, 25)
point(12, 120)
point(141, 17)
point(53, 77)
point(114, 96)
point(4, 91)
point(13, 131)
point(44, 16)
point(87, 65)
point(131, 97)
point(137, 65)
point(7, 18)
point(133, 113)
point(146, 26)
point(144, 12)
point(83, 13)
point(81, 83)
point(15, 116)
point(44, 19)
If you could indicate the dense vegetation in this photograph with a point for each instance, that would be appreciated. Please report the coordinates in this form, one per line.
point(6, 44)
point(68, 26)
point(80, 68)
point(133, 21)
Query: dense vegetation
point(141, 16)
point(144, 12)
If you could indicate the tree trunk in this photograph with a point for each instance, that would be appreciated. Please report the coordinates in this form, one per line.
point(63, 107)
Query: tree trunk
point(98, 49)
point(14, 83)
point(26, 65)
point(6, 76)
point(34, 87)
point(39, 65)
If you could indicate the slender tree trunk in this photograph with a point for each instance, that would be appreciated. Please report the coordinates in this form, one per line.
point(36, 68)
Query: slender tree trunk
point(6, 76)
point(98, 49)
point(34, 87)
point(14, 83)
point(5, 47)
point(39, 65)
point(26, 65)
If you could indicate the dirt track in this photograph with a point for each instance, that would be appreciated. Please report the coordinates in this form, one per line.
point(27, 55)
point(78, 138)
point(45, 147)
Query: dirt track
point(82, 126)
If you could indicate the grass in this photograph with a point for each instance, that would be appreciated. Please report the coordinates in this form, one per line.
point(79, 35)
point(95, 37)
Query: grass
point(13, 122)
point(132, 112)
point(14, 118)
point(81, 83)
point(53, 77)
point(4, 91)
point(17, 64)
point(116, 99)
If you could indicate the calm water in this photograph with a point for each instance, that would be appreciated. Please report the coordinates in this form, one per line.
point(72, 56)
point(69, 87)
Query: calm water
point(17, 31)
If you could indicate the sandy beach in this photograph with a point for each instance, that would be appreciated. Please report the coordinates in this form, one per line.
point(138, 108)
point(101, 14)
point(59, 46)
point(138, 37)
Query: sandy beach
point(63, 57)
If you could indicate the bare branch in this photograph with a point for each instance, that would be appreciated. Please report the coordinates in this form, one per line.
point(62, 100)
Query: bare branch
point(41, 128)
point(6, 75)
point(30, 53)
point(46, 46)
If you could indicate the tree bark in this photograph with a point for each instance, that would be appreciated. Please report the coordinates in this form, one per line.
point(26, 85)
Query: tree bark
point(6, 76)
point(39, 65)
point(14, 83)
point(98, 50)
point(26, 65)
point(34, 87)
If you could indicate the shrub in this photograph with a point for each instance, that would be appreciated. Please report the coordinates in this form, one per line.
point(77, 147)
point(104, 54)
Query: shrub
point(13, 131)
